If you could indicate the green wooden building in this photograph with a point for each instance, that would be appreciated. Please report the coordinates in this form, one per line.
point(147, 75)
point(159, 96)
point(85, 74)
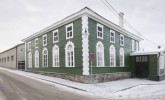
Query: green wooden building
point(64, 47)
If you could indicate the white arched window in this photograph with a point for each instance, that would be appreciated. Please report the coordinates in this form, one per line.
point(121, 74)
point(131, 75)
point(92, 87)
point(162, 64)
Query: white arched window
point(122, 60)
point(30, 60)
point(36, 59)
point(69, 55)
point(100, 54)
point(45, 57)
point(55, 56)
point(112, 52)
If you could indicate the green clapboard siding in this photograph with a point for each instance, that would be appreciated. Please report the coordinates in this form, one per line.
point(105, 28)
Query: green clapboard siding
point(98, 70)
point(71, 70)
point(77, 40)
point(106, 42)
point(153, 65)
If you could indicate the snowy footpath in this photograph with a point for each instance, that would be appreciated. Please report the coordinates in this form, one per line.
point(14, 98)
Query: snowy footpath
point(122, 89)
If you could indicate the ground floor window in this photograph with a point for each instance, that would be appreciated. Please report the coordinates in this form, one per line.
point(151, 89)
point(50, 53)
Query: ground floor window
point(36, 59)
point(55, 56)
point(69, 54)
point(100, 54)
point(112, 56)
point(30, 60)
point(122, 59)
point(45, 57)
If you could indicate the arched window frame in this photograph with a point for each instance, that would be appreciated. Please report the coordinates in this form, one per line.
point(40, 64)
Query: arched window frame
point(30, 60)
point(67, 62)
point(45, 63)
point(100, 54)
point(122, 57)
point(36, 59)
point(112, 56)
point(55, 56)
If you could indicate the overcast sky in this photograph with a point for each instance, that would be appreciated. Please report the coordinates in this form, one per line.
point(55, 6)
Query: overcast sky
point(21, 18)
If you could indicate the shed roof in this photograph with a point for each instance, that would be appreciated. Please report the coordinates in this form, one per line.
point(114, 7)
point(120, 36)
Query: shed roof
point(148, 52)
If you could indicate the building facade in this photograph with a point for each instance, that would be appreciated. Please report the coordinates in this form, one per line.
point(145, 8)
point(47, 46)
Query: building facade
point(65, 46)
point(11, 57)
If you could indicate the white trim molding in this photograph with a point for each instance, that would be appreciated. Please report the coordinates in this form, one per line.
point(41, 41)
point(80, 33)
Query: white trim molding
point(100, 54)
point(44, 44)
point(122, 57)
point(100, 32)
point(71, 53)
point(36, 58)
point(36, 44)
point(56, 31)
point(70, 32)
point(112, 41)
point(55, 56)
point(121, 41)
point(112, 56)
point(45, 65)
point(85, 45)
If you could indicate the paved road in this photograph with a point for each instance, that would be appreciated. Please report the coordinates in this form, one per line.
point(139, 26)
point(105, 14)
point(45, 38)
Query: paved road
point(16, 87)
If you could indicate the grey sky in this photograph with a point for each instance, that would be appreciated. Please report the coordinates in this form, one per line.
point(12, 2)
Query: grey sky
point(21, 18)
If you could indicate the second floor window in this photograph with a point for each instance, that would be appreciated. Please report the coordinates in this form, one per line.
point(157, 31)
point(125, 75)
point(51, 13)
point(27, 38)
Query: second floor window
point(44, 40)
point(112, 36)
point(55, 36)
point(69, 31)
point(122, 40)
point(100, 31)
point(29, 45)
point(36, 43)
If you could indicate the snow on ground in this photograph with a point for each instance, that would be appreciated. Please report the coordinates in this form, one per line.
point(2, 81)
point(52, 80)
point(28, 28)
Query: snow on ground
point(127, 88)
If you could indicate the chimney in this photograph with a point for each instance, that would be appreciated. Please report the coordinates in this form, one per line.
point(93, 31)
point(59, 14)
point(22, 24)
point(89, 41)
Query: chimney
point(121, 20)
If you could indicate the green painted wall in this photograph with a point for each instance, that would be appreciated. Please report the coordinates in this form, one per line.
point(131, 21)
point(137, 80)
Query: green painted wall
point(70, 70)
point(98, 70)
point(153, 65)
point(106, 42)
point(77, 40)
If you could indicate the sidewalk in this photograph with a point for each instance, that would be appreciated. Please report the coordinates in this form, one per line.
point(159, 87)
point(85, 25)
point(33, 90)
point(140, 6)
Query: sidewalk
point(107, 88)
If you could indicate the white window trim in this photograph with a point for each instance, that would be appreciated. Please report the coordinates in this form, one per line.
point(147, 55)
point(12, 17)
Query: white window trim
point(71, 24)
point(43, 57)
point(35, 58)
point(100, 43)
point(43, 40)
point(99, 25)
point(55, 46)
point(29, 48)
point(66, 56)
point(111, 31)
point(112, 46)
point(121, 49)
point(120, 39)
point(36, 46)
point(133, 45)
point(30, 60)
point(57, 36)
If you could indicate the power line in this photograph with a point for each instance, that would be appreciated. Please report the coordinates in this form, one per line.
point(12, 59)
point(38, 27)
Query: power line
point(129, 25)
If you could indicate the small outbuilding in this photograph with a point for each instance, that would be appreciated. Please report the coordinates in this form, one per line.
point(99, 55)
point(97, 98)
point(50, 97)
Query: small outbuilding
point(148, 64)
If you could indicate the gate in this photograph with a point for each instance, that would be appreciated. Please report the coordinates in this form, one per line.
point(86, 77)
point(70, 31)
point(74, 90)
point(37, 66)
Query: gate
point(142, 66)
point(21, 65)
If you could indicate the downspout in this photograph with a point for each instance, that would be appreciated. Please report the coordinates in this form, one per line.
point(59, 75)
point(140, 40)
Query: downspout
point(16, 57)
point(158, 71)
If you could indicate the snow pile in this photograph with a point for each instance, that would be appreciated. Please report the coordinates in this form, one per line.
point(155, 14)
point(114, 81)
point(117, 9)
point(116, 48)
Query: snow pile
point(121, 88)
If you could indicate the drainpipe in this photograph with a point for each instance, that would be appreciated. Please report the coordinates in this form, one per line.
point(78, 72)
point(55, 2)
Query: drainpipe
point(16, 57)
point(158, 69)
